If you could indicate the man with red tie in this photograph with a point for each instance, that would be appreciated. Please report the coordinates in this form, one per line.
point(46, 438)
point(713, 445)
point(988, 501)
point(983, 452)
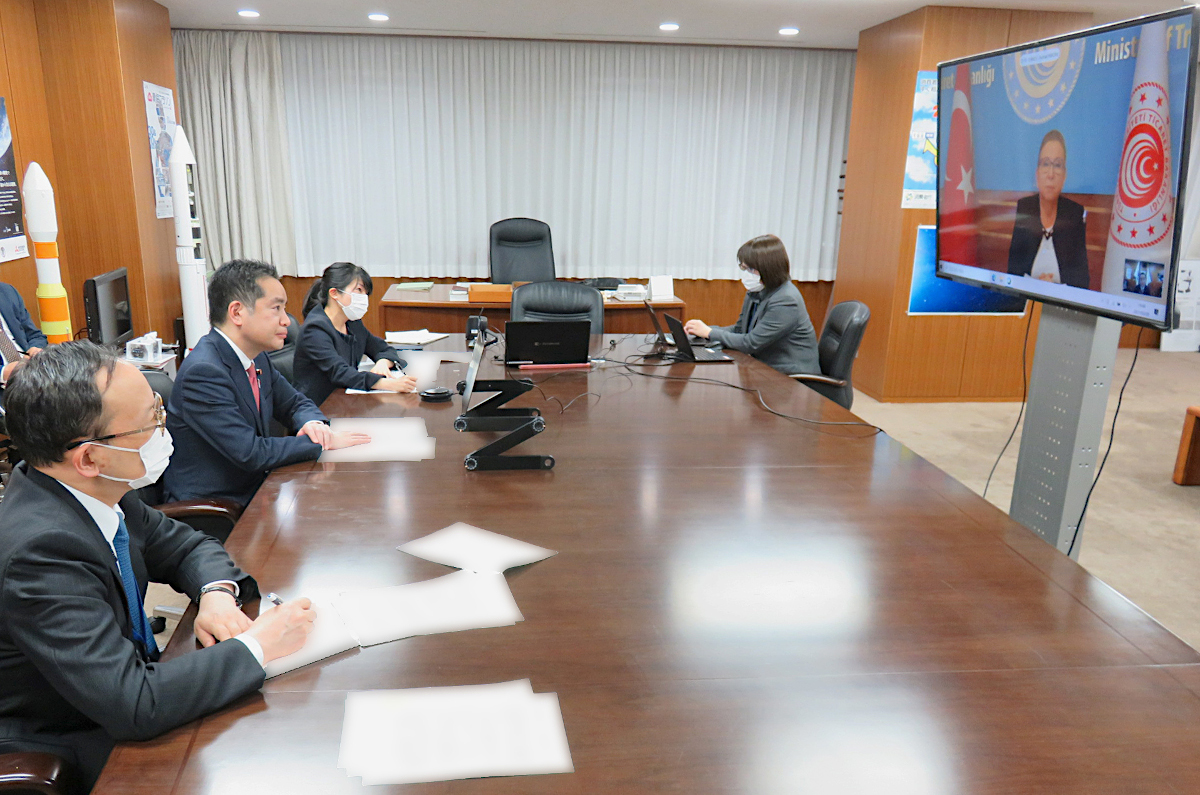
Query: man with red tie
point(227, 393)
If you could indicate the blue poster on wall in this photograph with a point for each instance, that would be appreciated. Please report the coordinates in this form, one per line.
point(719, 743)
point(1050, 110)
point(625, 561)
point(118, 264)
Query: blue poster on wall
point(930, 295)
point(920, 165)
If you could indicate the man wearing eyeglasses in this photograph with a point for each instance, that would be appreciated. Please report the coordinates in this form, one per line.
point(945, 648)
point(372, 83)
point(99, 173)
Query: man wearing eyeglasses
point(79, 667)
point(1049, 240)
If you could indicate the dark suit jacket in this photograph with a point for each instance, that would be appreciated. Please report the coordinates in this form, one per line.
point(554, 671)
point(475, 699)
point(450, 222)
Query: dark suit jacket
point(326, 359)
point(25, 333)
point(72, 682)
point(774, 328)
point(1070, 240)
point(223, 443)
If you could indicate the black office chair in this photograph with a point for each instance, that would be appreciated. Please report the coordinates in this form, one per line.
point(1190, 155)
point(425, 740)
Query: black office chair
point(837, 348)
point(213, 516)
point(558, 301)
point(282, 359)
point(36, 773)
point(519, 250)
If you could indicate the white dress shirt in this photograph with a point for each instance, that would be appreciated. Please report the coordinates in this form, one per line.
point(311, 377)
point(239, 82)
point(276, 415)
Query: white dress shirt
point(1046, 262)
point(106, 518)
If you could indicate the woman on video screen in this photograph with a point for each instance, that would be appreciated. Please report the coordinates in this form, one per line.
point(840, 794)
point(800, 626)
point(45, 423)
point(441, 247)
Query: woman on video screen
point(1049, 240)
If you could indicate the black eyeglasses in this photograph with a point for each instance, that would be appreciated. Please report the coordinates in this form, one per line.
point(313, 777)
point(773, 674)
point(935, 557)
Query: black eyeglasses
point(160, 424)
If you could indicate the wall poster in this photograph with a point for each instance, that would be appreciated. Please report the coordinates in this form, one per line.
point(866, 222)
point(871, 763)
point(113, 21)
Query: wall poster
point(920, 167)
point(160, 125)
point(13, 244)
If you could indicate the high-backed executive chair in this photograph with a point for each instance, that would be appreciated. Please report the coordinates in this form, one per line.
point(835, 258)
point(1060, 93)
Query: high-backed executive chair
point(35, 773)
point(836, 350)
point(558, 301)
point(283, 358)
point(519, 250)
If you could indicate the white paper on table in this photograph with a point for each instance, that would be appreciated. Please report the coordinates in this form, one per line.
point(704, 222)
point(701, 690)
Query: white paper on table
point(366, 711)
point(422, 365)
point(419, 337)
point(470, 548)
point(392, 439)
point(394, 739)
point(329, 636)
point(451, 603)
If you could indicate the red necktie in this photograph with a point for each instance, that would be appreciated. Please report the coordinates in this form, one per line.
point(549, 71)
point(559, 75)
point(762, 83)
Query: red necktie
point(250, 371)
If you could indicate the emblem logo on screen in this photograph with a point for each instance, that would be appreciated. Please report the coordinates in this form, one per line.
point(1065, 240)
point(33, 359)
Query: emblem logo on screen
point(1040, 81)
point(1143, 202)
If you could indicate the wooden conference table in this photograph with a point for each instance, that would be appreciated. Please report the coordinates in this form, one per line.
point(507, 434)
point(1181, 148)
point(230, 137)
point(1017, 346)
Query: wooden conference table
point(740, 605)
point(433, 309)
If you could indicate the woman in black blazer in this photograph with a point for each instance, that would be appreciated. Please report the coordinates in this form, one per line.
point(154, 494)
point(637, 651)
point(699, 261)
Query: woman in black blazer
point(1049, 239)
point(333, 339)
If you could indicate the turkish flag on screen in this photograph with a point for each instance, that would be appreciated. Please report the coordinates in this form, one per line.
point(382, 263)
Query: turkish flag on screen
point(956, 223)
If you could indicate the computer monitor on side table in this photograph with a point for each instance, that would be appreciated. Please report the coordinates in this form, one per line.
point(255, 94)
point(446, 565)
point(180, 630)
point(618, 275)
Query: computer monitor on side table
point(106, 308)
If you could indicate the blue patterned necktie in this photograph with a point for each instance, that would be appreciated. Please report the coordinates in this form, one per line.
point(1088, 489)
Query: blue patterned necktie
point(142, 634)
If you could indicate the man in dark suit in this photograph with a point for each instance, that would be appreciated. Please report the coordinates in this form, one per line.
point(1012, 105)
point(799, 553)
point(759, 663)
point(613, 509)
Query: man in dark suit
point(19, 337)
point(79, 666)
point(227, 392)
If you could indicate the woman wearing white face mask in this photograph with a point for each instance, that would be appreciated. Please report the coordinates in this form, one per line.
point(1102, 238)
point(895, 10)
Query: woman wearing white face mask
point(333, 339)
point(774, 326)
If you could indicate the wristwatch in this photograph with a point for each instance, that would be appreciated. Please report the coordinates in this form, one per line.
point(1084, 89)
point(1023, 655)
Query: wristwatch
point(222, 589)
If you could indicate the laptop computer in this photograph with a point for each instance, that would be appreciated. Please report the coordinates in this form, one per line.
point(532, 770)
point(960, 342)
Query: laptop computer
point(546, 342)
point(685, 351)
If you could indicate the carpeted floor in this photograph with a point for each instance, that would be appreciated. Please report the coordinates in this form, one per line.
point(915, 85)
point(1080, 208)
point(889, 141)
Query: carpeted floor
point(1142, 534)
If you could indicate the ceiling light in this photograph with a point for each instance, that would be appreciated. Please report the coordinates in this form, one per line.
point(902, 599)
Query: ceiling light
point(669, 26)
point(248, 12)
point(378, 17)
point(788, 31)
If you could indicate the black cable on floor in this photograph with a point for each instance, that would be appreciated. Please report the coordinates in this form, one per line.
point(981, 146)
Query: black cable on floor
point(1024, 397)
point(1111, 433)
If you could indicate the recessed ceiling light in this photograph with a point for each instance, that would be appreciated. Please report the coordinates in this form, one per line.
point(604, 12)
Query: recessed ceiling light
point(248, 12)
point(669, 26)
point(788, 31)
point(378, 17)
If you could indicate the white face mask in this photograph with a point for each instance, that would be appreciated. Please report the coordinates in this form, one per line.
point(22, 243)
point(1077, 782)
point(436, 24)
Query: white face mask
point(751, 281)
point(357, 307)
point(155, 455)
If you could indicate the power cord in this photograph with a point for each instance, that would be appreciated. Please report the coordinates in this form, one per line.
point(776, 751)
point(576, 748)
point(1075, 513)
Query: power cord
point(1024, 398)
point(757, 393)
point(1111, 434)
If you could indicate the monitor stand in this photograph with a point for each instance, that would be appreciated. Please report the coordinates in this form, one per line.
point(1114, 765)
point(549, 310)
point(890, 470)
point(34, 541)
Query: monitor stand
point(522, 424)
point(1064, 419)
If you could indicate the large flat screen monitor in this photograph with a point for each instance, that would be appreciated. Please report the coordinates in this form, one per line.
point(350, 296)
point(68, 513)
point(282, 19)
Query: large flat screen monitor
point(1062, 165)
point(106, 307)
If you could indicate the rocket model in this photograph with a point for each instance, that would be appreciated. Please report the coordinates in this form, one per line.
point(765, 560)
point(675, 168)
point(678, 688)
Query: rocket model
point(192, 270)
point(41, 223)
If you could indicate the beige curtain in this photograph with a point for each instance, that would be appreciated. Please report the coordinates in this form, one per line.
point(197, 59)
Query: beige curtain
point(231, 104)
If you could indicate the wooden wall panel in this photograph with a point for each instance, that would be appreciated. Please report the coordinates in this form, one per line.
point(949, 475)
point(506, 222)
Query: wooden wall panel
point(94, 191)
point(717, 301)
point(919, 358)
point(24, 91)
point(885, 69)
point(146, 53)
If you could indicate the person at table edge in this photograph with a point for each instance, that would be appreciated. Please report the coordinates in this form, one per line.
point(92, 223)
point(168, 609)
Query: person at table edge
point(24, 335)
point(227, 392)
point(773, 326)
point(333, 339)
point(79, 666)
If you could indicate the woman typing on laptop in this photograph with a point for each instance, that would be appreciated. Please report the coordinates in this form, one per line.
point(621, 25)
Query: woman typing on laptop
point(774, 326)
point(333, 339)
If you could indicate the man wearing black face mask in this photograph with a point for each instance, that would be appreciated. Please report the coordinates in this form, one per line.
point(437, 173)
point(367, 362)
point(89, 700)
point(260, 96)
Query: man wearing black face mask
point(79, 665)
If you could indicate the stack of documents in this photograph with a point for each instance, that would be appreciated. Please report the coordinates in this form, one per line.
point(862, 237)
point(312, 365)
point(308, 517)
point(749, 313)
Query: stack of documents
point(419, 337)
point(466, 547)
point(392, 439)
point(454, 602)
point(448, 733)
point(416, 286)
